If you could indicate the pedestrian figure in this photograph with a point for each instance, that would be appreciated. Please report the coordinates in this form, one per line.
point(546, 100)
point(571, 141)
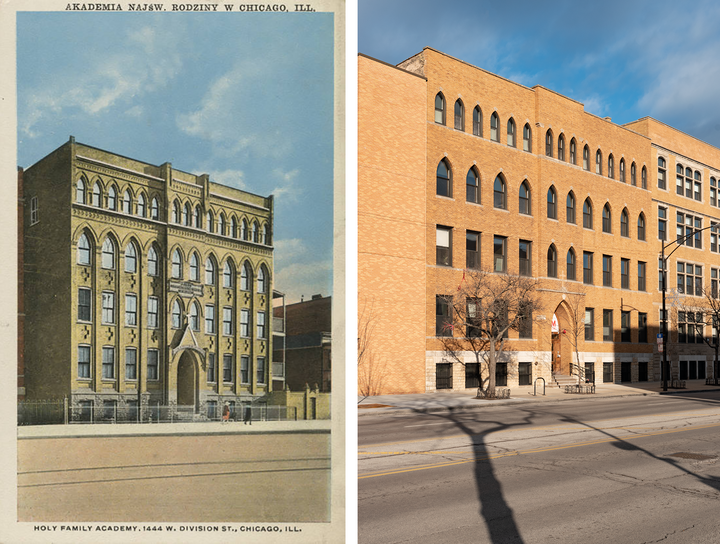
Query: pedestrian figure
point(226, 413)
point(248, 415)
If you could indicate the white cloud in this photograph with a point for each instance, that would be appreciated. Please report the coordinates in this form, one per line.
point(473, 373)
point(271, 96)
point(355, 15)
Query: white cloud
point(304, 280)
point(229, 177)
point(594, 104)
point(288, 187)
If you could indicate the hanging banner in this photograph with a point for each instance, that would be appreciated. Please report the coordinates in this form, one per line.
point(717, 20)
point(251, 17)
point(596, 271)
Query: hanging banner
point(554, 328)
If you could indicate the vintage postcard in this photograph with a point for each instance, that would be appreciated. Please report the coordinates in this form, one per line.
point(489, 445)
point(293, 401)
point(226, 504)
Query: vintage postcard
point(177, 332)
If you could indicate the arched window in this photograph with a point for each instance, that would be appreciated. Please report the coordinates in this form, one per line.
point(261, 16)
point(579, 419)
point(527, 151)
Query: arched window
point(472, 186)
point(228, 273)
point(527, 138)
point(262, 280)
point(194, 317)
point(245, 277)
point(570, 208)
point(176, 212)
point(209, 271)
point(606, 219)
point(586, 158)
point(97, 195)
point(573, 151)
point(459, 115)
point(611, 166)
point(598, 162)
point(176, 270)
point(194, 267)
point(549, 143)
point(233, 227)
point(561, 148)
point(524, 199)
point(83, 252)
point(152, 262)
point(551, 203)
point(130, 258)
point(622, 170)
point(662, 173)
point(633, 174)
point(624, 224)
point(440, 109)
point(253, 232)
point(587, 214)
point(80, 191)
point(141, 205)
point(186, 214)
point(243, 230)
point(197, 217)
point(570, 265)
point(154, 209)
point(263, 235)
point(176, 314)
point(511, 132)
point(209, 222)
point(643, 178)
point(444, 179)
point(108, 254)
point(499, 193)
point(641, 227)
point(495, 127)
point(112, 198)
point(552, 262)
point(477, 121)
point(127, 202)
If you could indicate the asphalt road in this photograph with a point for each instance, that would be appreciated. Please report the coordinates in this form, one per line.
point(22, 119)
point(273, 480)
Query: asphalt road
point(623, 470)
point(213, 478)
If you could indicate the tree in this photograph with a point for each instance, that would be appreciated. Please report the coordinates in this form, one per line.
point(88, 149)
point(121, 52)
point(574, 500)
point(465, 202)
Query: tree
point(695, 314)
point(370, 373)
point(575, 306)
point(475, 320)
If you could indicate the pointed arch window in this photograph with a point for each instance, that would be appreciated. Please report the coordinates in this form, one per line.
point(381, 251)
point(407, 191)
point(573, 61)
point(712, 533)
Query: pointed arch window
point(262, 280)
point(197, 217)
point(459, 115)
point(551, 203)
point(511, 132)
point(606, 219)
point(643, 178)
point(228, 273)
point(154, 209)
point(570, 208)
point(477, 121)
point(263, 234)
point(573, 151)
point(112, 198)
point(221, 224)
point(186, 214)
point(624, 224)
point(611, 166)
point(176, 212)
point(153, 267)
point(633, 174)
point(130, 258)
point(245, 277)
point(561, 148)
point(141, 205)
point(570, 265)
point(552, 262)
point(495, 127)
point(598, 162)
point(83, 251)
point(209, 271)
point(209, 222)
point(440, 109)
point(108, 254)
point(176, 265)
point(80, 191)
point(176, 314)
point(524, 199)
point(194, 317)
point(254, 232)
point(549, 143)
point(587, 214)
point(243, 229)
point(586, 158)
point(127, 202)
point(194, 267)
point(233, 227)
point(499, 194)
point(641, 227)
point(472, 182)
point(444, 179)
point(527, 138)
point(97, 195)
point(622, 170)
point(662, 173)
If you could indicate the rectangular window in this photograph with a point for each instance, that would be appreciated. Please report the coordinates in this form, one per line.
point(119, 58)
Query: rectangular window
point(130, 364)
point(443, 376)
point(500, 253)
point(130, 310)
point(210, 319)
point(227, 321)
point(524, 373)
point(244, 369)
point(641, 276)
point(211, 369)
point(642, 328)
point(261, 378)
point(84, 362)
point(662, 223)
point(108, 363)
point(472, 250)
point(625, 326)
point(227, 368)
point(443, 245)
point(587, 267)
point(501, 373)
point(34, 211)
point(84, 304)
point(245, 323)
point(607, 270)
point(689, 279)
point(152, 364)
point(261, 332)
point(525, 249)
point(689, 230)
point(472, 329)
point(625, 273)
point(443, 318)
point(108, 308)
point(152, 321)
point(714, 232)
point(607, 325)
point(714, 277)
point(589, 323)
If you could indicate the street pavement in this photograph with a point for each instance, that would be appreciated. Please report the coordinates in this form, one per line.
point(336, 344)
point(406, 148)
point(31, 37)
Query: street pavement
point(460, 400)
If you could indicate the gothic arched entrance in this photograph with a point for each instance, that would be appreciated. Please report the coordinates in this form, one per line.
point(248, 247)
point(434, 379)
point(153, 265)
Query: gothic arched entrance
point(187, 380)
point(561, 346)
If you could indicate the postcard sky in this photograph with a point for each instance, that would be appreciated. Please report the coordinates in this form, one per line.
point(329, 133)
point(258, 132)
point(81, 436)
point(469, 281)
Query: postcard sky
point(246, 98)
point(626, 59)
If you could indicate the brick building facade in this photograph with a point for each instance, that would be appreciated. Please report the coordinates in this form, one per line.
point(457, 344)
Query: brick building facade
point(460, 168)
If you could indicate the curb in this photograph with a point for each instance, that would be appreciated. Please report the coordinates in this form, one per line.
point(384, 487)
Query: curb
point(179, 433)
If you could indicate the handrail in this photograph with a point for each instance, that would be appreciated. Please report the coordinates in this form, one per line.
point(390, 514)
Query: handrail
point(535, 385)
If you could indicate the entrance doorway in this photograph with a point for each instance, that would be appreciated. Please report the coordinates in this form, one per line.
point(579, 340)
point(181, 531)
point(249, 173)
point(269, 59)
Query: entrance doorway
point(187, 381)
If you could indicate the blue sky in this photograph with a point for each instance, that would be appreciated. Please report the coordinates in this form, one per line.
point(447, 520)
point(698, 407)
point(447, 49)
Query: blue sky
point(624, 59)
point(246, 98)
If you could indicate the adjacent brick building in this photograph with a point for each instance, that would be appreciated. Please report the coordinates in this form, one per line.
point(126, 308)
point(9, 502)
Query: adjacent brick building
point(460, 168)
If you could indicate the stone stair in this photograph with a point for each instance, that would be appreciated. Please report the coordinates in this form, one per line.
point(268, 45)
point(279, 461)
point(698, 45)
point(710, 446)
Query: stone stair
point(561, 380)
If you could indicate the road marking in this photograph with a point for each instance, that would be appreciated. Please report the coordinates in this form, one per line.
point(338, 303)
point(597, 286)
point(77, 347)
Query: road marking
point(428, 424)
point(537, 450)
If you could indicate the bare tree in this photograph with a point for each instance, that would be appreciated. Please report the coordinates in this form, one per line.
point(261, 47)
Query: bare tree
point(370, 373)
point(695, 314)
point(478, 316)
point(575, 305)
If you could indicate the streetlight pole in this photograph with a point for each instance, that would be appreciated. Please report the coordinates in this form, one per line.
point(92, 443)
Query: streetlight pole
point(679, 241)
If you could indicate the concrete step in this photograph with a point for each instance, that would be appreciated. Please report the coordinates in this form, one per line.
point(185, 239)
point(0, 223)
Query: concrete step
point(561, 380)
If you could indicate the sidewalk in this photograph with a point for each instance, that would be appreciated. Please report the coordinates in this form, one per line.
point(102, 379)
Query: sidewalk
point(462, 400)
point(76, 430)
